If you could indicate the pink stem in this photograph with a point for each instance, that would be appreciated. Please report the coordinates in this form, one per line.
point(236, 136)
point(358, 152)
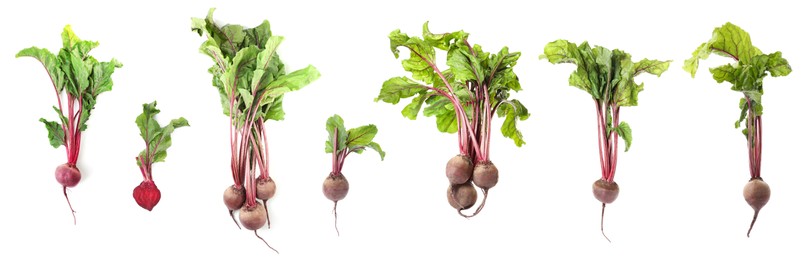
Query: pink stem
point(759, 146)
point(335, 152)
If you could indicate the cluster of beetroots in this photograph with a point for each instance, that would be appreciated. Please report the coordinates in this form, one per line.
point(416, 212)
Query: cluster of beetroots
point(462, 175)
point(252, 218)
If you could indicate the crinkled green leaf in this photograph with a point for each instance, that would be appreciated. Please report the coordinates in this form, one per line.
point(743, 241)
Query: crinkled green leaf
point(55, 133)
point(513, 111)
point(728, 40)
point(420, 55)
point(275, 109)
point(442, 41)
point(267, 63)
point(464, 66)
point(399, 87)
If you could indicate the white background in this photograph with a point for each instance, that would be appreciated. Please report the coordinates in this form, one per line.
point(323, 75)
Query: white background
point(681, 182)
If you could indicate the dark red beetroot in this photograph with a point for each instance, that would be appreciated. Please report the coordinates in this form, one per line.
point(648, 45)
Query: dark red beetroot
point(147, 195)
point(605, 192)
point(68, 175)
point(234, 198)
point(459, 169)
point(485, 175)
point(462, 196)
point(757, 194)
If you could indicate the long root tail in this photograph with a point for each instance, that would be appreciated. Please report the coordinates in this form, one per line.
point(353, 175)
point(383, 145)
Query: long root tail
point(268, 213)
point(265, 241)
point(335, 218)
point(231, 212)
point(756, 213)
point(478, 209)
point(603, 208)
point(75, 220)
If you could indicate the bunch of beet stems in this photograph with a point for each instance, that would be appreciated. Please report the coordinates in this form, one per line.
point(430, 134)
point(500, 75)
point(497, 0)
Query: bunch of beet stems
point(753, 124)
point(248, 149)
point(72, 135)
point(474, 135)
point(607, 144)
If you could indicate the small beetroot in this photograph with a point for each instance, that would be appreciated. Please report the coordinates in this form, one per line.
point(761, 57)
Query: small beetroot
point(341, 142)
point(147, 195)
point(157, 140)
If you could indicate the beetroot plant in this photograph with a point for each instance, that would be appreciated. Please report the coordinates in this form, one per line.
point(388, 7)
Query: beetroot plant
point(608, 76)
point(346, 141)
point(464, 98)
point(157, 140)
point(746, 75)
point(251, 81)
point(78, 79)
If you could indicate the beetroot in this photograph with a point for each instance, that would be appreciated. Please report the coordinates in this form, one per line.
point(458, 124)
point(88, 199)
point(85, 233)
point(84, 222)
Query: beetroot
point(68, 175)
point(147, 195)
point(459, 169)
point(757, 194)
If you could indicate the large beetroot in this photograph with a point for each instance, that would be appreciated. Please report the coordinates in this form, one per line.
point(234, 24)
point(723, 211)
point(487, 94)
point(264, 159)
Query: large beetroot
point(77, 79)
point(465, 98)
point(341, 142)
point(157, 140)
point(746, 76)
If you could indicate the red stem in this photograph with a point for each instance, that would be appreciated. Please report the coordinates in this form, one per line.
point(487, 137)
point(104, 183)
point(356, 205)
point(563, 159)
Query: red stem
point(616, 115)
point(750, 126)
point(601, 154)
point(266, 155)
point(759, 146)
point(335, 152)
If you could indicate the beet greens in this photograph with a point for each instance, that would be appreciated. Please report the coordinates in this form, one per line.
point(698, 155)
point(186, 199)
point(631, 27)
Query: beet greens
point(464, 97)
point(608, 76)
point(157, 139)
point(251, 81)
point(746, 76)
point(77, 79)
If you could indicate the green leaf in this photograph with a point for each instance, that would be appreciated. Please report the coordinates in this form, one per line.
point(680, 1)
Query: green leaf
point(258, 35)
point(624, 131)
point(336, 129)
point(101, 76)
point(399, 87)
point(513, 110)
point(55, 133)
point(654, 67)
point(293, 81)
point(235, 77)
point(49, 61)
point(275, 110)
point(267, 63)
point(148, 126)
point(377, 148)
point(361, 136)
point(157, 139)
point(412, 109)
